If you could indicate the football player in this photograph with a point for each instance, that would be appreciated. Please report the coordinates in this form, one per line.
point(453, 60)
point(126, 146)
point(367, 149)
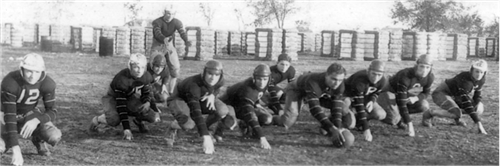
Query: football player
point(21, 91)
point(320, 90)
point(407, 92)
point(453, 96)
point(129, 94)
point(164, 28)
point(361, 91)
point(197, 95)
point(244, 98)
point(161, 78)
point(279, 72)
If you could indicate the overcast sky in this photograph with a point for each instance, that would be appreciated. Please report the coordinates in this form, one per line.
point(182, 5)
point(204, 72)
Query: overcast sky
point(336, 14)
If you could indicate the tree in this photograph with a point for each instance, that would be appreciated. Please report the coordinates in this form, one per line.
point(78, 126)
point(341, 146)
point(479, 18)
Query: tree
point(303, 26)
point(493, 29)
point(426, 15)
point(267, 10)
point(134, 8)
point(208, 12)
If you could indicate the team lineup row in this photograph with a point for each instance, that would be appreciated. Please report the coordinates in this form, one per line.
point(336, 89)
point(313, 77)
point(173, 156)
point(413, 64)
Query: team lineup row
point(251, 103)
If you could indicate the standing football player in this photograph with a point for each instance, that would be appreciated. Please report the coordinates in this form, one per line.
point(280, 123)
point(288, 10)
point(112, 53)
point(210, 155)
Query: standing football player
point(453, 96)
point(361, 91)
point(407, 92)
point(197, 95)
point(279, 72)
point(21, 91)
point(164, 29)
point(161, 78)
point(320, 90)
point(129, 94)
point(244, 98)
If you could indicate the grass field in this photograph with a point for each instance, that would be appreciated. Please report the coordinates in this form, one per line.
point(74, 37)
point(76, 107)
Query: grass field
point(82, 79)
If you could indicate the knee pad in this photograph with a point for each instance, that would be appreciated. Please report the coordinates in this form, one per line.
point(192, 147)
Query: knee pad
point(50, 134)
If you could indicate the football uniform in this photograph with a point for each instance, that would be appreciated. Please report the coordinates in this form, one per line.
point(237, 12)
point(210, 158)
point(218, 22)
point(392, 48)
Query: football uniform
point(187, 106)
point(19, 100)
point(125, 95)
point(273, 89)
point(244, 97)
point(161, 30)
point(159, 80)
point(456, 93)
point(359, 91)
point(317, 94)
point(405, 83)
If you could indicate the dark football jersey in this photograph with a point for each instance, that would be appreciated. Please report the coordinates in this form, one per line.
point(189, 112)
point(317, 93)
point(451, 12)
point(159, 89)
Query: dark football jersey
point(313, 88)
point(125, 85)
point(244, 96)
point(191, 90)
point(161, 78)
point(277, 76)
point(19, 97)
point(405, 80)
point(361, 90)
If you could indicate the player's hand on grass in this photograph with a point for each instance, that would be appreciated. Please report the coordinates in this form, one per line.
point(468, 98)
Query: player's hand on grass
point(208, 144)
point(481, 128)
point(368, 135)
point(127, 134)
point(29, 127)
point(411, 131)
point(264, 144)
point(17, 156)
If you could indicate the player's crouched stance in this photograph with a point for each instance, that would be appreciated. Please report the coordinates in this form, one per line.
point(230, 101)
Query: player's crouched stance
point(197, 95)
point(129, 94)
point(244, 98)
point(21, 90)
point(452, 96)
point(407, 92)
point(362, 90)
point(320, 90)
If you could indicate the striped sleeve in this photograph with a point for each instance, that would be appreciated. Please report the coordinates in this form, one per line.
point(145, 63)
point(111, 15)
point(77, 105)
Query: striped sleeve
point(121, 108)
point(48, 90)
point(467, 105)
point(193, 101)
point(402, 100)
point(181, 30)
point(157, 32)
point(314, 105)
point(247, 107)
point(8, 99)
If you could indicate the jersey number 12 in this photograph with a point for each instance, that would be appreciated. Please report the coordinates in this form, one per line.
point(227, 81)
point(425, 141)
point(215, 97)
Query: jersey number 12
point(32, 96)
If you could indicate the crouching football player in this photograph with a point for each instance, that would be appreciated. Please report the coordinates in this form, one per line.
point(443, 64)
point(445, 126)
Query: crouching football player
point(407, 92)
point(320, 91)
point(21, 90)
point(159, 72)
point(361, 91)
point(129, 94)
point(197, 95)
point(279, 72)
point(452, 96)
point(244, 97)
